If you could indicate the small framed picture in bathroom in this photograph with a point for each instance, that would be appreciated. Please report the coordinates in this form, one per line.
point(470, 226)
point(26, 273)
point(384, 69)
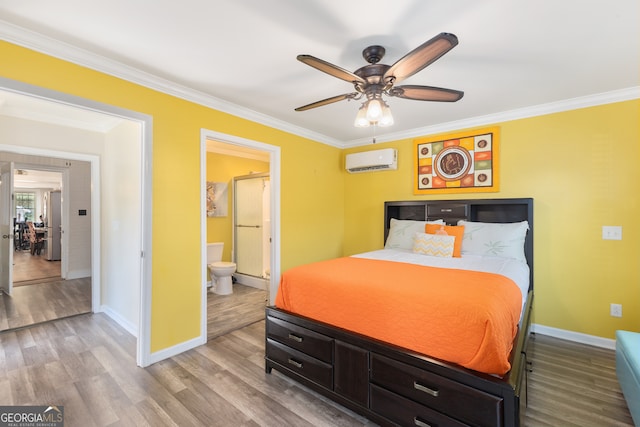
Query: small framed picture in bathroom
point(217, 199)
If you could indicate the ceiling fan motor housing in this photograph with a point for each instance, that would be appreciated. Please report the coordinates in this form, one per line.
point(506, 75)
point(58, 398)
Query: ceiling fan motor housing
point(373, 54)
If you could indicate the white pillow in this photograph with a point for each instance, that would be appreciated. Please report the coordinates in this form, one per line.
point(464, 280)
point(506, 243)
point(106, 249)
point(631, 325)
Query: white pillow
point(434, 244)
point(401, 232)
point(504, 240)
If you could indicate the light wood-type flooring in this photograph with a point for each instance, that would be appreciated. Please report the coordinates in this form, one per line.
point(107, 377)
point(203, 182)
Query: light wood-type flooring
point(44, 301)
point(29, 269)
point(40, 295)
point(87, 364)
point(226, 313)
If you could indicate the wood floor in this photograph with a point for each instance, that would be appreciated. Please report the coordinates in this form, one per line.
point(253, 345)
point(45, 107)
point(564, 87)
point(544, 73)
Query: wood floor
point(40, 295)
point(28, 269)
point(44, 301)
point(87, 364)
point(226, 313)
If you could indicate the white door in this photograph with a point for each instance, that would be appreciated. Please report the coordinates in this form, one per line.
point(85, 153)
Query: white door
point(6, 228)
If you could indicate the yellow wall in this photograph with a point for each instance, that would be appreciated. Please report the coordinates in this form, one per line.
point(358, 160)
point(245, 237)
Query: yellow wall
point(581, 168)
point(222, 168)
point(311, 192)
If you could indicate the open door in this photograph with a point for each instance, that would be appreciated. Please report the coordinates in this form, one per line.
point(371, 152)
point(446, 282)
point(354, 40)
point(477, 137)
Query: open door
point(7, 228)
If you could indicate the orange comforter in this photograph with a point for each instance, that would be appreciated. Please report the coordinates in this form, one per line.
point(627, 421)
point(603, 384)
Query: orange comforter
point(466, 317)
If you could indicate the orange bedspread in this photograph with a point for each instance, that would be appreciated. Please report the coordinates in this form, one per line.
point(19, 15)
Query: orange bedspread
point(466, 317)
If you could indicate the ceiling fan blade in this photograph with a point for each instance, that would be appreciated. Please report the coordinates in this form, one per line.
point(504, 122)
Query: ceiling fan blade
point(328, 101)
point(426, 93)
point(332, 70)
point(420, 57)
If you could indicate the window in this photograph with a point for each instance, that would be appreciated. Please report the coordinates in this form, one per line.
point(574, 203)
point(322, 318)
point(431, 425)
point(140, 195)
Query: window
point(25, 205)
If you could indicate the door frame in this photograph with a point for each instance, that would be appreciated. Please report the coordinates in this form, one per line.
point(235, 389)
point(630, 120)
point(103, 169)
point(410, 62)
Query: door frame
point(6, 194)
point(274, 172)
point(64, 173)
point(143, 351)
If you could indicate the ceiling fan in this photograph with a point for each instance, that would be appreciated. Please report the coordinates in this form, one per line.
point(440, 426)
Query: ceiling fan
point(375, 79)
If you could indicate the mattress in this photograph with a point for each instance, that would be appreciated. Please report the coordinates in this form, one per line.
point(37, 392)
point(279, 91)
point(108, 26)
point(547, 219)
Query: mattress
point(513, 269)
point(458, 312)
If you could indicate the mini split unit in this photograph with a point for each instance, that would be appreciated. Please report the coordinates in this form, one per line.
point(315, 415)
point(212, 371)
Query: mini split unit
point(369, 161)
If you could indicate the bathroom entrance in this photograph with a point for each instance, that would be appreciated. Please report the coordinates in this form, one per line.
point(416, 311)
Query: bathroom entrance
point(252, 229)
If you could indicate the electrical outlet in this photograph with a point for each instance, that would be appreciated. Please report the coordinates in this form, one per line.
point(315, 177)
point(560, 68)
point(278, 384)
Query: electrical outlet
point(616, 310)
point(611, 232)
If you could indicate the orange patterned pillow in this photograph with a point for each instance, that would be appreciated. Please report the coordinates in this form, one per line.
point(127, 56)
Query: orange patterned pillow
point(451, 230)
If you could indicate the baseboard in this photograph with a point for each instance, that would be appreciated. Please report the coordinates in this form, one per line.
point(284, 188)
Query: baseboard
point(574, 336)
point(176, 349)
point(116, 317)
point(78, 274)
point(254, 282)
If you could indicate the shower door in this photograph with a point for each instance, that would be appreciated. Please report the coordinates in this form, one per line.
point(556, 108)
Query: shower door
point(250, 219)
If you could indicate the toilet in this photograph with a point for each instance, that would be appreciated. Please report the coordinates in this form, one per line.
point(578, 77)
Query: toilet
point(220, 271)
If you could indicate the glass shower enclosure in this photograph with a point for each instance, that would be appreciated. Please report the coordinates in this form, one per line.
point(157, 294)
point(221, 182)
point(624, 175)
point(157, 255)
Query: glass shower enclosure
point(252, 229)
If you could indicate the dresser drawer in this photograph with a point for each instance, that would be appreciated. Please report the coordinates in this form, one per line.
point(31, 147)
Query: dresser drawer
point(440, 393)
point(406, 412)
point(300, 363)
point(309, 342)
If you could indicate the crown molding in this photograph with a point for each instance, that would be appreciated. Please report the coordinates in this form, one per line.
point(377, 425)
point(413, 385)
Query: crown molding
point(621, 95)
point(49, 46)
point(61, 50)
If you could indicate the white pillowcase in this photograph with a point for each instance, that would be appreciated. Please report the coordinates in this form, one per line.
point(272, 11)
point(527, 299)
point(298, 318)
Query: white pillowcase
point(434, 244)
point(504, 240)
point(401, 232)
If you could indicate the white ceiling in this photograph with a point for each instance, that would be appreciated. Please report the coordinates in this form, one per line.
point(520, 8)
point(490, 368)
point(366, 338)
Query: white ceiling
point(29, 178)
point(514, 59)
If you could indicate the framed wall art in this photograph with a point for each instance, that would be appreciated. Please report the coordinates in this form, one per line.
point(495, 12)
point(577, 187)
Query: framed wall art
point(462, 162)
point(216, 199)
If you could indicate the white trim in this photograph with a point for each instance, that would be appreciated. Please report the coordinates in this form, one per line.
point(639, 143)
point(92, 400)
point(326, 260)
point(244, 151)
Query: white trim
point(78, 274)
point(40, 43)
point(252, 281)
point(94, 160)
point(203, 236)
point(274, 177)
point(574, 336)
point(169, 352)
point(146, 124)
point(505, 116)
point(124, 323)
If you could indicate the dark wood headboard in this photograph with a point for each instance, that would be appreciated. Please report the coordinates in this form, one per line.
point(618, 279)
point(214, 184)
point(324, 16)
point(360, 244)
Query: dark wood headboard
point(451, 211)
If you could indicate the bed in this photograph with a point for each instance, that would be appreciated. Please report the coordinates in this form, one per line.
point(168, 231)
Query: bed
point(353, 329)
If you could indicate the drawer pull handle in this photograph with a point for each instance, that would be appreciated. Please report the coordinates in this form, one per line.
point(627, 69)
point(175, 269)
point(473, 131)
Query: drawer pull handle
point(295, 363)
point(427, 390)
point(419, 423)
point(295, 338)
point(446, 210)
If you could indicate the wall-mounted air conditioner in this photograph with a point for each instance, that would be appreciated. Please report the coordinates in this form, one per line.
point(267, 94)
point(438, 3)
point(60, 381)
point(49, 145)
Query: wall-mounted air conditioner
point(367, 161)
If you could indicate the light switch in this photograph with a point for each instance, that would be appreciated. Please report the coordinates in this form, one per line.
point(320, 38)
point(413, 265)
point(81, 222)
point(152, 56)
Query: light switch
point(611, 232)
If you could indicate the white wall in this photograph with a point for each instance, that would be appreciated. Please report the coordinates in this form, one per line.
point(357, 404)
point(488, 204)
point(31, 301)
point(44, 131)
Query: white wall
point(119, 151)
point(27, 133)
point(121, 232)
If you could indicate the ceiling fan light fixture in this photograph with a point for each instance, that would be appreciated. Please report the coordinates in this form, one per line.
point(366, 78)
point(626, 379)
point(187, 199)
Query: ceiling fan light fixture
point(374, 109)
point(387, 117)
point(361, 118)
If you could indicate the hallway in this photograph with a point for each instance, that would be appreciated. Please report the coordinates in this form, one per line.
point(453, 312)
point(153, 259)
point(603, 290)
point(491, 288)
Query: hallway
point(39, 293)
point(31, 269)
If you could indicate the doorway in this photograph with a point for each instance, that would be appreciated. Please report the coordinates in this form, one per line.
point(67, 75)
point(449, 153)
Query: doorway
point(235, 146)
point(127, 302)
point(38, 195)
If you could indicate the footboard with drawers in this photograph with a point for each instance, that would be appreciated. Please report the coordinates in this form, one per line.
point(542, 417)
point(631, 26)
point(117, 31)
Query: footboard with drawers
point(389, 385)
